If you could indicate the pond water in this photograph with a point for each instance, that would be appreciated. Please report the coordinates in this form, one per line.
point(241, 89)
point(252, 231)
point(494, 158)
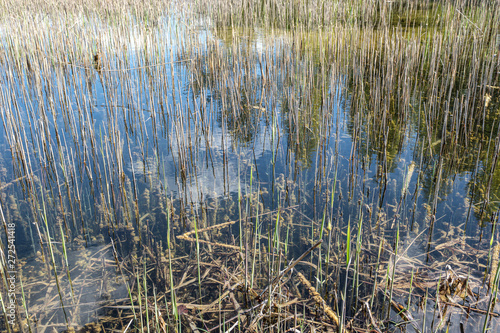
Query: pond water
point(112, 152)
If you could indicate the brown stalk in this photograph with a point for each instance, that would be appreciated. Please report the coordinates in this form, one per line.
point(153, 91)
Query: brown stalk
point(319, 300)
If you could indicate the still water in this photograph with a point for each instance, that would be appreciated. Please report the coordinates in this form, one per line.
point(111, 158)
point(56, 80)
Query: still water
point(183, 125)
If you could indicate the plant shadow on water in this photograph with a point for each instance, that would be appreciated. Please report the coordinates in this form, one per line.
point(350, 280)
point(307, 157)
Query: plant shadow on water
point(261, 167)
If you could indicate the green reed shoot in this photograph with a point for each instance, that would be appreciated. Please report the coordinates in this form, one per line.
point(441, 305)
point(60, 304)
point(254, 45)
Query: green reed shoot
point(321, 230)
point(329, 225)
point(197, 254)
point(375, 283)
point(392, 273)
point(408, 305)
point(348, 261)
point(491, 245)
point(67, 263)
point(493, 298)
point(256, 246)
point(240, 198)
point(157, 311)
point(25, 306)
point(348, 242)
point(139, 297)
point(145, 287)
point(247, 215)
point(172, 291)
point(425, 307)
point(358, 252)
point(122, 275)
point(3, 306)
point(436, 304)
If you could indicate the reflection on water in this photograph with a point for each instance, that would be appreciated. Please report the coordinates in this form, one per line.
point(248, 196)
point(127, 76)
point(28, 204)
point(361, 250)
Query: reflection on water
point(196, 128)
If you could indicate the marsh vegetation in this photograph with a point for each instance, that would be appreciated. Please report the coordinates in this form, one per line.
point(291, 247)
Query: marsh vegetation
point(249, 165)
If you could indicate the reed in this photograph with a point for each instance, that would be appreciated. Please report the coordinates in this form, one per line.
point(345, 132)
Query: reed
point(201, 139)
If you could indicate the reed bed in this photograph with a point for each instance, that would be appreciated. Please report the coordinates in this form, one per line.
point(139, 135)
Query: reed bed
point(250, 165)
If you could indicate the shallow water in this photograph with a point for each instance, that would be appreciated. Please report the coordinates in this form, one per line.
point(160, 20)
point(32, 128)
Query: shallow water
point(206, 118)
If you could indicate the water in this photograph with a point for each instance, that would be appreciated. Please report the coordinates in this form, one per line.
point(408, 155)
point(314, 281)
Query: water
point(176, 126)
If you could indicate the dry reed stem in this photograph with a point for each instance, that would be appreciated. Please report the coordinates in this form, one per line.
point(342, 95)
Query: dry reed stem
point(290, 267)
point(404, 314)
point(372, 320)
point(318, 299)
point(233, 247)
point(185, 236)
point(214, 227)
point(237, 307)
